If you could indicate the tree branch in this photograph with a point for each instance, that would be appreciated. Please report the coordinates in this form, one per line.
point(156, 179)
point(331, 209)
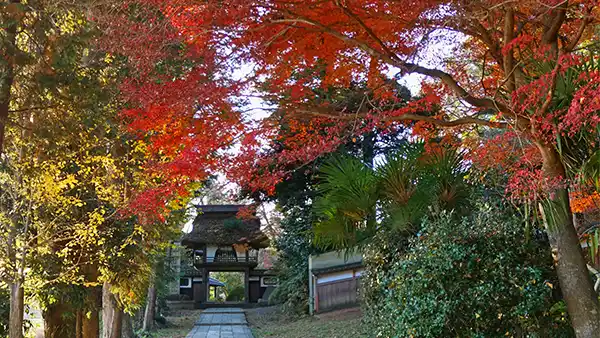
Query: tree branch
point(369, 31)
point(393, 60)
point(586, 20)
point(409, 117)
point(487, 39)
point(30, 108)
point(551, 33)
point(455, 86)
point(508, 60)
point(407, 67)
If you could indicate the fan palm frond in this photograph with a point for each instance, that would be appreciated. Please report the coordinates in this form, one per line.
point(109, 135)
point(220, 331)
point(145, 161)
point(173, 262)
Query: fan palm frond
point(398, 175)
point(446, 173)
point(403, 189)
point(348, 198)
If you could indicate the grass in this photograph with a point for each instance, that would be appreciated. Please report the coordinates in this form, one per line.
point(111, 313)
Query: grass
point(180, 323)
point(338, 324)
point(270, 322)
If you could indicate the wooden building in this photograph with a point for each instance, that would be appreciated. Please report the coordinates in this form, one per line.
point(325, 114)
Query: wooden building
point(219, 241)
point(333, 281)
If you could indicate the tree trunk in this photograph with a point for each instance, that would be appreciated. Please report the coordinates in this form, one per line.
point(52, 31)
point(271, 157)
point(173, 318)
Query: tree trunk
point(575, 282)
point(117, 323)
point(59, 321)
point(91, 325)
point(108, 310)
point(127, 331)
point(79, 324)
point(16, 310)
point(149, 314)
point(6, 81)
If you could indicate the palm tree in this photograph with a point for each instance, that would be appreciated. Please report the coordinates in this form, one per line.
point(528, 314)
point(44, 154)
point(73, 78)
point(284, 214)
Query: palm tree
point(356, 201)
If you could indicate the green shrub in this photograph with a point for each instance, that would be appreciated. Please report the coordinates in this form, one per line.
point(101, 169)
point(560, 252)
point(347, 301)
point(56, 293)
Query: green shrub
point(294, 247)
point(236, 294)
point(468, 277)
point(292, 292)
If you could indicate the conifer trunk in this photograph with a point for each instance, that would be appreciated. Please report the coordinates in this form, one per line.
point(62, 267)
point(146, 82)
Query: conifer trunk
point(79, 324)
point(575, 282)
point(112, 315)
point(6, 81)
point(59, 321)
point(117, 324)
point(7, 67)
point(91, 326)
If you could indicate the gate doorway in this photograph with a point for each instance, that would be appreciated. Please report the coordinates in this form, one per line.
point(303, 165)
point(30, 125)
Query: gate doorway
point(227, 287)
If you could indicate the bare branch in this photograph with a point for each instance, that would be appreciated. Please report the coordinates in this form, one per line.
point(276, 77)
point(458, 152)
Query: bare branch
point(31, 108)
point(550, 94)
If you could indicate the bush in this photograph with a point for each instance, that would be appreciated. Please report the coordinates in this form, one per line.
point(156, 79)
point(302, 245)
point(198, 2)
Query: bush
point(292, 292)
point(294, 248)
point(236, 294)
point(469, 277)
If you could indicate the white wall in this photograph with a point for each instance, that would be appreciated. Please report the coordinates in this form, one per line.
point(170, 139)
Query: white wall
point(211, 250)
point(332, 277)
point(333, 258)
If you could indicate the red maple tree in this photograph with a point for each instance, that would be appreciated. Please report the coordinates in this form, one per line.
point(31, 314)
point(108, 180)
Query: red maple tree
point(510, 61)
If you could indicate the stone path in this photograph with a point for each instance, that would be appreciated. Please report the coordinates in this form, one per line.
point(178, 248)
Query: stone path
point(221, 323)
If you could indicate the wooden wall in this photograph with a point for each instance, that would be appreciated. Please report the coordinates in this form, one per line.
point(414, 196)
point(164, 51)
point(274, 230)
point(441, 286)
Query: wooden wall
point(336, 294)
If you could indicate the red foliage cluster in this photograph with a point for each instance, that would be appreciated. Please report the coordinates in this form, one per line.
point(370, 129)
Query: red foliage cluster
point(185, 89)
point(583, 112)
point(582, 202)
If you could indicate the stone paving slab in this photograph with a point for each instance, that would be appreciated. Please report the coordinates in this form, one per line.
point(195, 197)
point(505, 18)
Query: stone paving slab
point(217, 323)
point(220, 331)
point(222, 318)
point(224, 310)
